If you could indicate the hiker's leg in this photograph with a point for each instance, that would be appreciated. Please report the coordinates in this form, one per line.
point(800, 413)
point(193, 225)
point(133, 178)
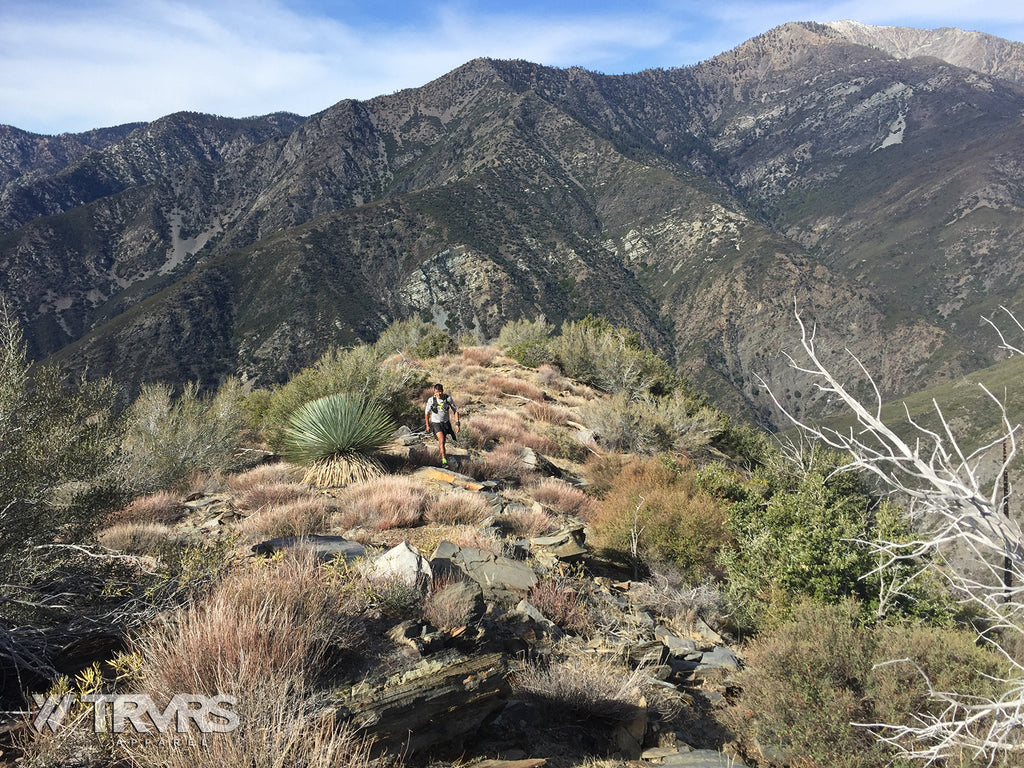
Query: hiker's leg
point(440, 445)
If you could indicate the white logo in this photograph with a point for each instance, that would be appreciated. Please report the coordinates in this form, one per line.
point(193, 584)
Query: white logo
point(210, 714)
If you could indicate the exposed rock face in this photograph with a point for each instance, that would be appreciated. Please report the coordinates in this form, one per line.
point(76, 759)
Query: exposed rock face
point(872, 177)
point(972, 50)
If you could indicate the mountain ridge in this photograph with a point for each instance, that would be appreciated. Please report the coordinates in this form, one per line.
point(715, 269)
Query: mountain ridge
point(696, 205)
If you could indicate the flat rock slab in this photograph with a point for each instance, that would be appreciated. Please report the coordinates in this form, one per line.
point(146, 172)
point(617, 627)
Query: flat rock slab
point(701, 758)
point(566, 544)
point(441, 706)
point(448, 477)
point(498, 576)
point(326, 548)
point(677, 646)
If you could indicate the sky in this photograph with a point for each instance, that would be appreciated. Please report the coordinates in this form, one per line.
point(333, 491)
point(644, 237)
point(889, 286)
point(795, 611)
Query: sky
point(74, 65)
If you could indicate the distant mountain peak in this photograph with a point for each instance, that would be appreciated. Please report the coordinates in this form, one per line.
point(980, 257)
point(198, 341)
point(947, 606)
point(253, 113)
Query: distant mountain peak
point(981, 52)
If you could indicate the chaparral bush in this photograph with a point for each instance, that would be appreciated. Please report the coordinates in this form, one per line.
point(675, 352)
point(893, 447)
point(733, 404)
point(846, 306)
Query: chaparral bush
point(809, 681)
point(655, 510)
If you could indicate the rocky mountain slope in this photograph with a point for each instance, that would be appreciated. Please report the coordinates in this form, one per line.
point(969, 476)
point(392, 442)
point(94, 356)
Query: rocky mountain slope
point(815, 165)
point(972, 50)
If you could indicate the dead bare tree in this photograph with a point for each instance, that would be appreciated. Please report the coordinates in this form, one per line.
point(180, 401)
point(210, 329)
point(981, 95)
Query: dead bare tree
point(953, 509)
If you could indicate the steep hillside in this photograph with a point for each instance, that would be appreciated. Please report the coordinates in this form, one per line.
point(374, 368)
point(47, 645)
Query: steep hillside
point(809, 167)
point(984, 53)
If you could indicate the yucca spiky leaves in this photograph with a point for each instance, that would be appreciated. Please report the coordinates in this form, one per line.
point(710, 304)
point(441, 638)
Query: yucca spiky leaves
point(335, 437)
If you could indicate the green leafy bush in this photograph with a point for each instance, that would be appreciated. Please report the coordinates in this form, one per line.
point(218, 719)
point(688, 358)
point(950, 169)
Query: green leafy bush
point(362, 370)
point(59, 439)
point(167, 439)
point(795, 537)
point(797, 528)
point(416, 338)
point(516, 333)
point(611, 359)
point(533, 354)
point(649, 425)
point(335, 437)
point(809, 679)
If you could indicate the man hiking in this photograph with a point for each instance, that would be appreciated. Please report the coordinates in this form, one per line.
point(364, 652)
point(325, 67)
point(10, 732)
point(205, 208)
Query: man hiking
point(438, 417)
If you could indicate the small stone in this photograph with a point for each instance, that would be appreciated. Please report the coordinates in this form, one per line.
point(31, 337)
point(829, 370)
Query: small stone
point(403, 562)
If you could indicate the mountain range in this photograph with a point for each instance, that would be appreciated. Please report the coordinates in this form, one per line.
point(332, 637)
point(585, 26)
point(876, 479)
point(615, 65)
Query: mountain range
point(871, 178)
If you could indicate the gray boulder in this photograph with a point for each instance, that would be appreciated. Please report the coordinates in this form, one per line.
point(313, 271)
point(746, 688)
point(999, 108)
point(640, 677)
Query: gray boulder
point(500, 578)
point(402, 562)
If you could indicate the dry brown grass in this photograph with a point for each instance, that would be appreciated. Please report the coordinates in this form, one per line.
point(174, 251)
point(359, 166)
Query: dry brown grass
point(559, 496)
point(262, 630)
point(667, 593)
point(138, 538)
point(485, 430)
point(392, 501)
point(161, 507)
point(291, 518)
point(259, 496)
point(482, 356)
point(549, 376)
point(504, 462)
point(549, 412)
point(264, 474)
point(527, 522)
point(457, 508)
point(450, 604)
point(564, 602)
point(504, 385)
point(277, 735)
point(586, 685)
point(261, 636)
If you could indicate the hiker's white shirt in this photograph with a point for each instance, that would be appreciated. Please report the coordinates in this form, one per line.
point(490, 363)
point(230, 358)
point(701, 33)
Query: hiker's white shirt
point(445, 404)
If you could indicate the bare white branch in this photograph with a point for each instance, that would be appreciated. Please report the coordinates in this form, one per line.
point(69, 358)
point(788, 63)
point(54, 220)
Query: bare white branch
point(954, 509)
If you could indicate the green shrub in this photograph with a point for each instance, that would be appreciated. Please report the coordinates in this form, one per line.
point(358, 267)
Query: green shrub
point(795, 537)
point(362, 370)
point(797, 530)
point(533, 354)
point(649, 425)
point(611, 359)
point(808, 680)
point(672, 518)
point(416, 338)
point(59, 439)
point(167, 439)
point(335, 437)
point(517, 333)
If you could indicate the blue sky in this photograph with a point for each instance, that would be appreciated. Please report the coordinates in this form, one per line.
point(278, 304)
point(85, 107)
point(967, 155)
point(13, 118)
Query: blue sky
point(72, 65)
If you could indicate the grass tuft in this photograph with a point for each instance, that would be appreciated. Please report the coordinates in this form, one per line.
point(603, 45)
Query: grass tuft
point(392, 501)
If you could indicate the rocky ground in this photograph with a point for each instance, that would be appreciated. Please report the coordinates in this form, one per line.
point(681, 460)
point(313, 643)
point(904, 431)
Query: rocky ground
point(527, 646)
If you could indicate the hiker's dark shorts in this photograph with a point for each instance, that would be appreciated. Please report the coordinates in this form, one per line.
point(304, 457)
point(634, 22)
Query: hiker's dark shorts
point(442, 426)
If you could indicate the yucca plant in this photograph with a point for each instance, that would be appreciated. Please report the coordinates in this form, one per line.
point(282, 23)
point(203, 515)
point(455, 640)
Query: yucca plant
point(335, 437)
